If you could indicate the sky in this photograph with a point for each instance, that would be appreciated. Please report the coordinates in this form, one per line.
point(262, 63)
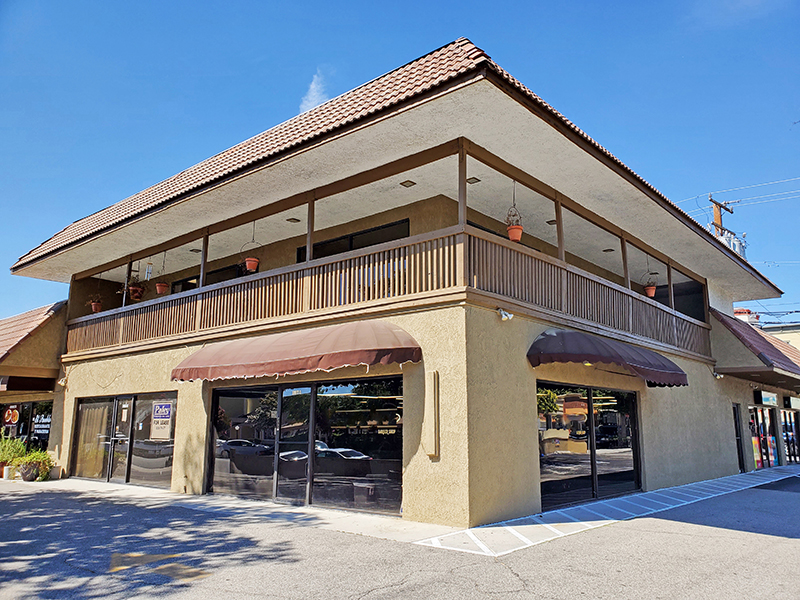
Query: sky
point(99, 100)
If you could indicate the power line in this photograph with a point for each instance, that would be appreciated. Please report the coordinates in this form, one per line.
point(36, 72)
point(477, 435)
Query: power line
point(747, 187)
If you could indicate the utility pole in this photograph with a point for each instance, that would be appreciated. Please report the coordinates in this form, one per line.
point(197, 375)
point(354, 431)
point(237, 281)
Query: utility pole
point(718, 208)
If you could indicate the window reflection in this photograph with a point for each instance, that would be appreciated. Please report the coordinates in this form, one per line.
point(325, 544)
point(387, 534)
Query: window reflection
point(244, 441)
point(359, 445)
point(571, 421)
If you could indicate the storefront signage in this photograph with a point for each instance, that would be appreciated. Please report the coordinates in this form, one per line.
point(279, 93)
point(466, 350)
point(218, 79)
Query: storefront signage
point(11, 414)
point(769, 399)
point(162, 421)
point(41, 425)
point(791, 402)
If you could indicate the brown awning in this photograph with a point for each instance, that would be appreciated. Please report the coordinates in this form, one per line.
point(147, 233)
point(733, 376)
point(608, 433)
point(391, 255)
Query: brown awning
point(293, 352)
point(563, 346)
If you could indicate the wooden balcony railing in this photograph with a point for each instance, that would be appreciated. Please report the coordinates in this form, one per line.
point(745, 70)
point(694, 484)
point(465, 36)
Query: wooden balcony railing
point(429, 263)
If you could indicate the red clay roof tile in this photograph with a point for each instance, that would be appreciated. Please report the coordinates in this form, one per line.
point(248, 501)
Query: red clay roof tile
point(15, 329)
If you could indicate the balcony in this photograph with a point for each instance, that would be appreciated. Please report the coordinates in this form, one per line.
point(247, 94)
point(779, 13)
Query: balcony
point(454, 264)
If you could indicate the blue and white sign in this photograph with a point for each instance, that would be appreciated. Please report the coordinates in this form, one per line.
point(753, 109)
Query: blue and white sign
point(769, 399)
point(161, 426)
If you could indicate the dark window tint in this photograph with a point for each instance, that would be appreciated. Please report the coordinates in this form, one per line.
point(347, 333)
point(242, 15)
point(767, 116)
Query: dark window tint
point(355, 241)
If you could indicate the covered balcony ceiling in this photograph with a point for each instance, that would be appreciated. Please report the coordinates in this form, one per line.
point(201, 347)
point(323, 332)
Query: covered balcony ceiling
point(477, 110)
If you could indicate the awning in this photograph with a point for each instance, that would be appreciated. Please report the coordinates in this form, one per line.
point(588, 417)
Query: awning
point(293, 352)
point(563, 346)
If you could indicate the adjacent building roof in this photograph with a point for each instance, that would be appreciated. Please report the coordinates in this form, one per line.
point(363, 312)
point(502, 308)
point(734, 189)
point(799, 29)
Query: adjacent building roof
point(14, 330)
point(773, 352)
point(458, 59)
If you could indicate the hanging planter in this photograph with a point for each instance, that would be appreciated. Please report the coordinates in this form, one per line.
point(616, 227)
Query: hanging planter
point(96, 302)
point(250, 262)
point(514, 219)
point(162, 287)
point(650, 289)
point(136, 288)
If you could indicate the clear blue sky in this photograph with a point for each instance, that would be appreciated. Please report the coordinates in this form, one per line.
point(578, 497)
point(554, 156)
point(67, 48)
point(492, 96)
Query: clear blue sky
point(99, 100)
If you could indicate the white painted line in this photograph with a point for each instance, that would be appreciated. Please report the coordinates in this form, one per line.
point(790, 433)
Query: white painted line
point(553, 529)
point(571, 518)
point(479, 543)
point(649, 498)
point(602, 516)
point(612, 507)
point(518, 535)
point(436, 542)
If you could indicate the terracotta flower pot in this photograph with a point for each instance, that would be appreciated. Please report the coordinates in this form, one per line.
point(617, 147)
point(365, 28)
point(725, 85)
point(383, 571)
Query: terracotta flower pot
point(251, 264)
point(515, 232)
point(161, 287)
point(650, 291)
point(97, 307)
point(135, 292)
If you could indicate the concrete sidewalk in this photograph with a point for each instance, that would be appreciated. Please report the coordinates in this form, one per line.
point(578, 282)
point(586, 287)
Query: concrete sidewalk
point(495, 539)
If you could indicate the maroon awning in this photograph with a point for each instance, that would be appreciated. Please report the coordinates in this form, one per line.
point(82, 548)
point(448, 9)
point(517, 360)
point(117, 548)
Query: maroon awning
point(293, 352)
point(563, 346)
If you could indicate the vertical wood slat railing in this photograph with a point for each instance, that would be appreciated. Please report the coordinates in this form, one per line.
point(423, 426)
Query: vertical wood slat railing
point(530, 277)
point(421, 264)
point(426, 263)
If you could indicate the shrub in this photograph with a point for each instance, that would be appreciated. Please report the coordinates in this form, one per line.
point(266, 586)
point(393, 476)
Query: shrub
point(10, 449)
point(39, 459)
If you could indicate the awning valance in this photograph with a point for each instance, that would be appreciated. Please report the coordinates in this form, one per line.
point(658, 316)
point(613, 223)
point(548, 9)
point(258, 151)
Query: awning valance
point(293, 352)
point(563, 346)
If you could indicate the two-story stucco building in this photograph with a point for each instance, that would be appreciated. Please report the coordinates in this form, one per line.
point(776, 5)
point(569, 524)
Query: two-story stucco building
point(333, 312)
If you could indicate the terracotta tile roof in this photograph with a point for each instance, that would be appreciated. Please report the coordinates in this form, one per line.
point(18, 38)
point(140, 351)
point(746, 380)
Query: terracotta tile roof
point(15, 329)
point(770, 350)
point(415, 78)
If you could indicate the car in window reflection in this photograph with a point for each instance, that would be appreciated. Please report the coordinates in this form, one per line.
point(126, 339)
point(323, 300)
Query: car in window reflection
point(228, 448)
point(293, 455)
point(343, 461)
point(607, 436)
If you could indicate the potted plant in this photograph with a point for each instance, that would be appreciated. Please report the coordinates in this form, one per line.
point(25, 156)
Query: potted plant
point(514, 219)
point(136, 288)
point(650, 287)
point(34, 466)
point(161, 287)
point(10, 450)
point(96, 302)
point(251, 264)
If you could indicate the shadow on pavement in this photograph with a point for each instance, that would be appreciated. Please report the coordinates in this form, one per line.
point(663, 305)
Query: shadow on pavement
point(770, 509)
point(62, 544)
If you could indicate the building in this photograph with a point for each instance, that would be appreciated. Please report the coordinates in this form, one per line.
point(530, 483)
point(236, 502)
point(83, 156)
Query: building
point(332, 312)
point(30, 352)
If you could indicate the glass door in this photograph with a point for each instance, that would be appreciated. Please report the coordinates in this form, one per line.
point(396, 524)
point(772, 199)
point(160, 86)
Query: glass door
point(92, 444)
point(291, 457)
point(588, 444)
point(120, 440)
point(790, 435)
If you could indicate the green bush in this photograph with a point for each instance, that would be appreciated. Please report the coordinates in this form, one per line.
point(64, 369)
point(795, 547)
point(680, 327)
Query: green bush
point(10, 449)
point(39, 459)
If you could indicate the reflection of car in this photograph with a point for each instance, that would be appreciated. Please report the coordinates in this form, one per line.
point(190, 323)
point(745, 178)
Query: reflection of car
point(226, 448)
point(319, 445)
point(345, 453)
point(293, 455)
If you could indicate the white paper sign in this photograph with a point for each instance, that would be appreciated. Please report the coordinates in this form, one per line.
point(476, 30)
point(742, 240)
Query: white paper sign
point(162, 421)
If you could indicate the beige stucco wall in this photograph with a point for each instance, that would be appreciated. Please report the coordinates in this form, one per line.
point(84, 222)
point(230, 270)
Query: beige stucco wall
point(41, 349)
point(686, 433)
point(440, 333)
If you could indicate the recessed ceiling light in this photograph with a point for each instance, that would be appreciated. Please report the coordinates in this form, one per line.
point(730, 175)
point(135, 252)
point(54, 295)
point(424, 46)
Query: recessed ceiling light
point(552, 222)
point(408, 183)
point(472, 180)
point(195, 250)
point(293, 220)
point(608, 249)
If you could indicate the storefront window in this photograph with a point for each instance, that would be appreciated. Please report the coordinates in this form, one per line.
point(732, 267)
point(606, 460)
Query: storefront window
point(357, 446)
point(103, 432)
point(29, 422)
point(790, 435)
point(587, 444)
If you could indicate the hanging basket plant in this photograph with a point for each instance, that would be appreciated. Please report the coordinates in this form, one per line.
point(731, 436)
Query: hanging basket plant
point(96, 302)
point(136, 288)
point(514, 219)
point(161, 287)
point(249, 261)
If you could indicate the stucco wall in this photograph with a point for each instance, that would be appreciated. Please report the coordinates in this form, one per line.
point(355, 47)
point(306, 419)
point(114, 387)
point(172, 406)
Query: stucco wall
point(686, 433)
point(42, 349)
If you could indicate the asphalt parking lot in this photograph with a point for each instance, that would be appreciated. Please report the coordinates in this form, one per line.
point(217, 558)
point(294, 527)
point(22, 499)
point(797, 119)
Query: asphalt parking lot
point(69, 540)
